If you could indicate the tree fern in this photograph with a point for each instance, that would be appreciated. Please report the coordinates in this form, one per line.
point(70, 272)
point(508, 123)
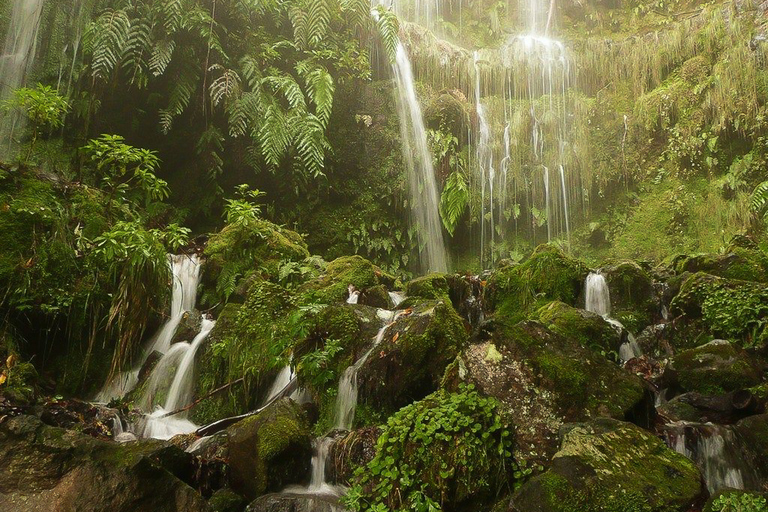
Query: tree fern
point(310, 19)
point(388, 28)
point(454, 200)
point(760, 200)
point(226, 86)
point(162, 54)
point(105, 39)
point(320, 87)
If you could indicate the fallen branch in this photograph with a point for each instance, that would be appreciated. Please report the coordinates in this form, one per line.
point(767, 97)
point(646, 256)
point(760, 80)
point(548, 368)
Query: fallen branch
point(217, 390)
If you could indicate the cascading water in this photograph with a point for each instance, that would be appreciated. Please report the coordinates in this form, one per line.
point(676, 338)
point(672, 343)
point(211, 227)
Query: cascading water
point(598, 300)
point(716, 451)
point(422, 186)
point(18, 55)
point(185, 270)
point(158, 424)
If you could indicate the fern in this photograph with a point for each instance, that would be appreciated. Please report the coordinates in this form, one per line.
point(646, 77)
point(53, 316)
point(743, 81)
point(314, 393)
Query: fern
point(310, 19)
point(162, 54)
point(106, 40)
point(321, 89)
point(760, 200)
point(225, 86)
point(388, 28)
point(454, 200)
point(138, 40)
point(356, 12)
point(311, 144)
point(287, 86)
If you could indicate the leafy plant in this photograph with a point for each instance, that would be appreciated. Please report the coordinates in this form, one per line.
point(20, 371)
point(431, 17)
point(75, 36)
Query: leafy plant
point(244, 210)
point(454, 200)
point(447, 448)
point(738, 502)
point(316, 368)
point(42, 106)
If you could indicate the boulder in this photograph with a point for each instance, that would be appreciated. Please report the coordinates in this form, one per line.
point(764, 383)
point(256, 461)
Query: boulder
point(188, 327)
point(739, 263)
point(355, 449)
point(295, 502)
point(376, 297)
point(514, 292)
point(543, 380)
point(50, 469)
point(333, 285)
point(410, 359)
point(268, 451)
point(717, 367)
point(589, 329)
point(611, 465)
point(633, 299)
point(753, 432)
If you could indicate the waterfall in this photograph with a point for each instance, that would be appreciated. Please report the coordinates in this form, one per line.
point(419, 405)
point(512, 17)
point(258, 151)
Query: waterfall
point(598, 296)
point(354, 295)
point(18, 54)
point(284, 379)
point(397, 298)
point(185, 271)
point(422, 186)
point(598, 300)
point(484, 159)
point(716, 451)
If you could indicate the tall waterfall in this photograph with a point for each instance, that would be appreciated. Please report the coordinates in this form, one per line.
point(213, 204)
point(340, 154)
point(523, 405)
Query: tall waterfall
point(18, 53)
point(422, 185)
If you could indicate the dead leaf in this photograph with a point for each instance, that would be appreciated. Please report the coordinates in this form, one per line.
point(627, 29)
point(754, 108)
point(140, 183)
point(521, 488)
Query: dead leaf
point(395, 337)
point(10, 361)
point(3, 378)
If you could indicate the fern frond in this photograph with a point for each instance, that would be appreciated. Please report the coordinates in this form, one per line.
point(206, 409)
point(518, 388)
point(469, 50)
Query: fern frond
point(321, 89)
point(356, 12)
point(287, 86)
point(162, 54)
point(310, 143)
point(225, 86)
point(759, 198)
point(106, 39)
point(388, 28)
point(310, 20)
point(454, 200)
point(137, 44)
point(274, 135)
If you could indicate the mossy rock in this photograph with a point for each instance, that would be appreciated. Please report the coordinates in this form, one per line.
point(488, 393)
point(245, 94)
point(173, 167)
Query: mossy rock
point(333, 286)
point(609, 465)
point(754, 436)
point(49, 469)
point(226, 500)
point(589, 329)
point(376, 297)
point(239, 251)
point(270, 450)
point(447, 112)
point(432, 286)
point(633, 300)
point(518, 291)
point(409, 362)
point(543, 379)
point(728, 308)
point(739, 263)
point(249, 341)
point(717, 367)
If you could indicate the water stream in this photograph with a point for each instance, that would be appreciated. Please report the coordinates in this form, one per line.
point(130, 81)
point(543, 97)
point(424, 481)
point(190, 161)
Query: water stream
point(598, 300)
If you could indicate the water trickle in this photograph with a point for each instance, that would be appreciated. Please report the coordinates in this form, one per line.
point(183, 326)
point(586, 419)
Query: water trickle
point(397, 298)
point(354, 295)
point(598, 296)
point(284, 378)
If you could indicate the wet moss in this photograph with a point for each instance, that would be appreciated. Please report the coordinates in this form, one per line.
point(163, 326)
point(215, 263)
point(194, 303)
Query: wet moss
point(516, 292)
point(332, 286)
point(432, 286)
point(589, 329)
point(633, 299)
point(717, 367)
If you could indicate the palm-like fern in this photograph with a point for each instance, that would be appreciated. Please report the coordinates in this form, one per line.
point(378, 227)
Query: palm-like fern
point(759, 204)
point(388, 28)
point(454, 200)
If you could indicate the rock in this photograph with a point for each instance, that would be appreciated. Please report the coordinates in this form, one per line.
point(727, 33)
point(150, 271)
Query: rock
point(96, 421)
point(753, 432)
point(268, 451)
point(722, 409)
point(717, 367)
point(126, 437)
point(226, 500)
point(656, 340)
point(412, 356)
point(355, 449)
point(589, 329)
point(739, 263)
point(288, 502)
point(517, 291)
point(449, 112)
point(633, 299)
point(332, 287)
point(188, 327)
point(376, 297)
point(725, 308)
point(432, 286)
point(543, 380)
point(50, 469)
point(611, 465)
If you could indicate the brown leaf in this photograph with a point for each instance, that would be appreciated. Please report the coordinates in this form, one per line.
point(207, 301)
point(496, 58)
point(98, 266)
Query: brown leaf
point(3, 378)
point(395, 337)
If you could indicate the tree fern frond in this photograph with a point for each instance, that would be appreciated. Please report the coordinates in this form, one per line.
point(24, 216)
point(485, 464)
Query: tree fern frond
point(454, 200)
point(388, 28)
point(162, 54)
point(321, 89)
point(225, 86)
point(759, 198)
point(287, 86)
point(105, 39)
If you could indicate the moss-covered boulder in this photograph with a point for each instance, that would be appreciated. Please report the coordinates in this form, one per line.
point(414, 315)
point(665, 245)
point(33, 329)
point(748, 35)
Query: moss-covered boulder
point(49, 469)
point(726, 308)
point(333, 285)
point(717, 367)
point(270, 450)
point(449, 112)
point(611, 465)
point(248, 342)
point(589, 329)
point(753, 432)
point(432, 286)
point(738, 263)
point(633, 299)
point(515, 292)
point(376, 297)
point(409, 362)
point(240, 251)
point(188, 327)
point(543, 379)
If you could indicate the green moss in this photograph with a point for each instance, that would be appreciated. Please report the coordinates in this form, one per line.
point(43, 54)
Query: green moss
point(515, 292)
point(609, 465)
point(632, 295)
point(333, 285)
point(739, 263)
point(717, 367)
point(432, 286)
point(589, 329)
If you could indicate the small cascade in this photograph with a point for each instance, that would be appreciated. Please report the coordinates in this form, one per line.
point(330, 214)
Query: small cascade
point(716, 451)
point(397, 298)
point(284, 379)
point(354, 295)
point(18, 55)
point(317, 484)
point(422, 185)
point(598, 300)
